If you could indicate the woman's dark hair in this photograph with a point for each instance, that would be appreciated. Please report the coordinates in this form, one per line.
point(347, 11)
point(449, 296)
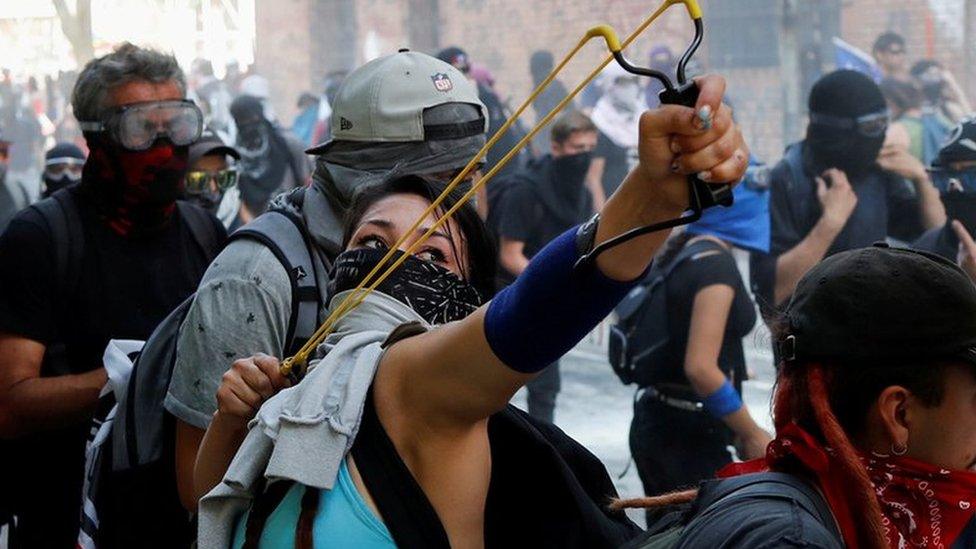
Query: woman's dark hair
point(481, 250)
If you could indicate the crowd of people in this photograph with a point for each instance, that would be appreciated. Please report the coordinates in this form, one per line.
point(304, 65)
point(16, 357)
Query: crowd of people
point(158, 266)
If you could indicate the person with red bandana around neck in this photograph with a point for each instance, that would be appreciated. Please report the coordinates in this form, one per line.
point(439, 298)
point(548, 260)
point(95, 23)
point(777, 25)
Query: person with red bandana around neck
point(134, 252)
point(875, 416)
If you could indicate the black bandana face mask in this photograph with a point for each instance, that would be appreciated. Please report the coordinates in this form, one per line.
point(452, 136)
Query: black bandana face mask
point(433, 292)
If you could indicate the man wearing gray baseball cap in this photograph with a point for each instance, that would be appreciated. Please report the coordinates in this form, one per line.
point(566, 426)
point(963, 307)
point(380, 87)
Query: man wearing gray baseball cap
point(405, 114)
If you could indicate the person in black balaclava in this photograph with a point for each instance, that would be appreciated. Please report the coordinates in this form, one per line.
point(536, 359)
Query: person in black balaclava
point(62, 167)
point(271, 161)
point(842, 187)
point(538, 203)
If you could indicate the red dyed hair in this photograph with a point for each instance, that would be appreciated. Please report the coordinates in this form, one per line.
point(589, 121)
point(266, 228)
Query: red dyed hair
point(802, 397)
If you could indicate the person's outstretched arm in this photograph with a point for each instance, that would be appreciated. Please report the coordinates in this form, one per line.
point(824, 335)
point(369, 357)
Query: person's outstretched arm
point(461, 373)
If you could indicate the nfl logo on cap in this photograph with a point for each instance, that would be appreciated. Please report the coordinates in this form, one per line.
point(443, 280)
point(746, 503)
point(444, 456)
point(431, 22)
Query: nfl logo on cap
point(442, 82)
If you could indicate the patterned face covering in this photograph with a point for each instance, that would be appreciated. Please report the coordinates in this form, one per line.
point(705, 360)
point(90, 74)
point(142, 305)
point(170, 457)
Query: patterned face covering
point(433, 292)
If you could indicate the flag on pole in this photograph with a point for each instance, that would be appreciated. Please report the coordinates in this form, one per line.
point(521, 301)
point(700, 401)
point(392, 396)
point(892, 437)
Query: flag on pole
point(847, 56)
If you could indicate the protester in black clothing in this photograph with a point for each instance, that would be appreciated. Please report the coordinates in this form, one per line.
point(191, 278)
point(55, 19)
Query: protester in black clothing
point(839, 189)
point(62, 167)
point(874, 411)
point(136, 257)
point(540, 65)
point(678, 436)
point(545, 199)
point(272, 161)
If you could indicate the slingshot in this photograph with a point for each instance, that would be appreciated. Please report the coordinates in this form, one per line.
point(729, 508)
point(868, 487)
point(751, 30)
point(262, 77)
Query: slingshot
point(701, 194)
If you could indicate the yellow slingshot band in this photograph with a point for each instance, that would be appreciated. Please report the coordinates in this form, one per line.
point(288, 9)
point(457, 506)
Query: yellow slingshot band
point(296, 365)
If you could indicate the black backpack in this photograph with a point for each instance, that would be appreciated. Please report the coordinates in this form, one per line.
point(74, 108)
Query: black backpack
point(138, 457)
point(638, 342)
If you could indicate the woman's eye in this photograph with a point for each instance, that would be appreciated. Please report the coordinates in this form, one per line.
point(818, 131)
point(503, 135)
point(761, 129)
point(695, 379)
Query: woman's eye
point(432, 255)
point(372, 243)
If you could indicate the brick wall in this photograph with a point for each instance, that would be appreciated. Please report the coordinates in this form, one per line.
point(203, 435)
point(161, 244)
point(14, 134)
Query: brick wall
point(282, 52)
point(502, 34)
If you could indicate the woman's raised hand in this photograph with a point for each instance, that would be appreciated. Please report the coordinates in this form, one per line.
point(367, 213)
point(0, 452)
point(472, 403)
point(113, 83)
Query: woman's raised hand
point(675, 141)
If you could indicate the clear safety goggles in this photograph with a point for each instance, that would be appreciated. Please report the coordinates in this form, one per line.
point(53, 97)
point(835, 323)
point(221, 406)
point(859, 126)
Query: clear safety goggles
point(72, 169)
point(198, 182)
point(137, 126)
point(869, 125)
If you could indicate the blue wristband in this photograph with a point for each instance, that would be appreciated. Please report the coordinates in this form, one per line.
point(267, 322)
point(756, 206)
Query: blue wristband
point(723, 402)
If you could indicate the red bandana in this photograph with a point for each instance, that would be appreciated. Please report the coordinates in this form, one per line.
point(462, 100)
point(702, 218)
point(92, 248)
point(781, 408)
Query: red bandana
point(921, 505)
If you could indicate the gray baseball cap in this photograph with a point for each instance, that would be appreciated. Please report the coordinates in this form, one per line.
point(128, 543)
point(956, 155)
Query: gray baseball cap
point(385, 100)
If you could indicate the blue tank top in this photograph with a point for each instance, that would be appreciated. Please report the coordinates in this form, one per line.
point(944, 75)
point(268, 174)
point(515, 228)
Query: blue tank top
point(343, 520)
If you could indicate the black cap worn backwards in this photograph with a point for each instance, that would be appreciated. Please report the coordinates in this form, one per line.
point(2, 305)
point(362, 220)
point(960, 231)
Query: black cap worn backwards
point(882, 303)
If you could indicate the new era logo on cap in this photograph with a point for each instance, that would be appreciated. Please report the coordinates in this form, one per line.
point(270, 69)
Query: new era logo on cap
point(344, 124)
point(442, 82)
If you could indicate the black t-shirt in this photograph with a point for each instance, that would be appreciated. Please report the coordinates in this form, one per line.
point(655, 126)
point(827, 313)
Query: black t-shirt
point(125, 285)
point(709, 265)
point(886, 206)
point(124, 288)
point(617, 162)
point(526, 218)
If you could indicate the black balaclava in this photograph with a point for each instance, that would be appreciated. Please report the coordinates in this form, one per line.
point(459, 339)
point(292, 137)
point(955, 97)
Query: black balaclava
point(67, 151)
point(844, 94)
point(264, 153)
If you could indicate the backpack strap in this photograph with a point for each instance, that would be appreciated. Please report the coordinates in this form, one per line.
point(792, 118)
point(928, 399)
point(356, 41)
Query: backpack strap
point(60, 212)
point(283, 232)
point(770, 484)
point(201, 226)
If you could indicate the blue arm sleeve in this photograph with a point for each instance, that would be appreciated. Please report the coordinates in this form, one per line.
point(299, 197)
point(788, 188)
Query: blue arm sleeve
point(550, 307)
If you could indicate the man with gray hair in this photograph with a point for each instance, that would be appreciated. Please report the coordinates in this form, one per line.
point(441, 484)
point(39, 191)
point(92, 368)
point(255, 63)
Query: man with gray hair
point(108, 258)
point(405, 113)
